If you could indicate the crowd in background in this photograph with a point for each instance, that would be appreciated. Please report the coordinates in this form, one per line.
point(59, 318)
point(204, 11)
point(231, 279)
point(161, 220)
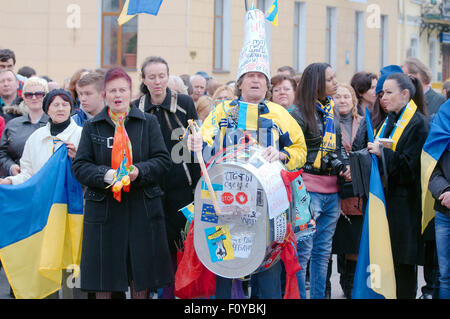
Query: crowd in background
point(92, 103)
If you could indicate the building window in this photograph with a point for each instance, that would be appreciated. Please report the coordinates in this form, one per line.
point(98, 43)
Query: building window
point(413, 50)
point(433, 57)
point(221, 48)
point(330, 37)
point(384, 41)
point(359, 41)
point(119, 43)
point(299, 36)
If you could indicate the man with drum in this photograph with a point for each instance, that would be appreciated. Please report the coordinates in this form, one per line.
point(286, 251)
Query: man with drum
point(276, 131)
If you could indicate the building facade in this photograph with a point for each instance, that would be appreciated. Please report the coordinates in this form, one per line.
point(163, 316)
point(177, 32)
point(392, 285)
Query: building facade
point(58, 37)
point(424, 33)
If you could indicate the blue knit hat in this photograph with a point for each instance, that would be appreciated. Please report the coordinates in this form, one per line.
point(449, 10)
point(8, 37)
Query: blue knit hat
point(385, 72)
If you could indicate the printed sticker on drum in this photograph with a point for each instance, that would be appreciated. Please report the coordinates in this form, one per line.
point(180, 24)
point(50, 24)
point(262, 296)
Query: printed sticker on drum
point(209, 214)
point(205, 191)
point(219, 243)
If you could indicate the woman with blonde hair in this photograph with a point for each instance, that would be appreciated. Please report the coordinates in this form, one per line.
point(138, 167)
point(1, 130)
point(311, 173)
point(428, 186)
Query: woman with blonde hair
point(204, 106)
point(223, 93)
point(349, 226)
point(18, 130)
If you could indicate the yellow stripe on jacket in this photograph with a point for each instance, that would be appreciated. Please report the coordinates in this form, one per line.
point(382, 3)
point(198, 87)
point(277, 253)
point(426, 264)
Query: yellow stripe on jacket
point(289, 130)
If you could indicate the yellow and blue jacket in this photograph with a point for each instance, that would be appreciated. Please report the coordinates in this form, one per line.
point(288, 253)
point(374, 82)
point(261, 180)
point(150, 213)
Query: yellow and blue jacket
point(275, 127)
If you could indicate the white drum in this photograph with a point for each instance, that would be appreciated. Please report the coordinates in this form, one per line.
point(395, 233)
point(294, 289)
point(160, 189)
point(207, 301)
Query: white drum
point(254, 210)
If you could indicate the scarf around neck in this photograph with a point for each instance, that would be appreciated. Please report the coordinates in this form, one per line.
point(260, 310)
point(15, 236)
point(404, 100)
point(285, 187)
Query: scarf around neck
point(329, 134)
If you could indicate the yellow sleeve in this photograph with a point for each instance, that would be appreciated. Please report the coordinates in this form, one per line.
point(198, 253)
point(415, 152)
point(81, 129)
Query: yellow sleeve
point(292, 135)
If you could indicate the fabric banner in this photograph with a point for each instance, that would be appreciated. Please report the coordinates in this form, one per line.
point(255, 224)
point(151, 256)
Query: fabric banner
point(41, 225)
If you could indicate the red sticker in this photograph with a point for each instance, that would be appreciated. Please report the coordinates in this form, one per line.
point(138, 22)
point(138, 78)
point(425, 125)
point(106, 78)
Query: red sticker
point(227, 198)
point(241, 198)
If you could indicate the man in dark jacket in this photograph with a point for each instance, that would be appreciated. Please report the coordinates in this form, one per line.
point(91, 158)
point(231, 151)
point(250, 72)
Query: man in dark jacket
point(439, 187)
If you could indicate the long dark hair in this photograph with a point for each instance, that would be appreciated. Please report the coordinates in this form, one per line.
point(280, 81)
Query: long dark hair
point(310, 89)
point(362, 82)
point(413, 85)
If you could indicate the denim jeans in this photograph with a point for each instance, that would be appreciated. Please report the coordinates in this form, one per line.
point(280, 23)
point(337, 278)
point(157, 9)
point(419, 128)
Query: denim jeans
point(265, 284)
point(325, 209)
point(442, 226)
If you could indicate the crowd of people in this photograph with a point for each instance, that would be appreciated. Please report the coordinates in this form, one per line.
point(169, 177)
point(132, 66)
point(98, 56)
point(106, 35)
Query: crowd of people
point(133, 242)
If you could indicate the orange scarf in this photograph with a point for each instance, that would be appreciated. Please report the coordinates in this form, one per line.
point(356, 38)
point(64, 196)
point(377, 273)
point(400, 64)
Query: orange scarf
point(121, 146)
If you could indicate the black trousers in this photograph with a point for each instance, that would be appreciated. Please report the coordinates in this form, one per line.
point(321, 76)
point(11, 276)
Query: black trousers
point(406, 280)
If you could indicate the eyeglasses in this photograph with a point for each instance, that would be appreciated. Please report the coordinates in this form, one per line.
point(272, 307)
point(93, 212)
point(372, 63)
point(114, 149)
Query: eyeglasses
point(38, 95)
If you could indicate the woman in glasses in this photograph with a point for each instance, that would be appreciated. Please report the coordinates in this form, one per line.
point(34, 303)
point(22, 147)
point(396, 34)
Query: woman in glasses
point(18, 130)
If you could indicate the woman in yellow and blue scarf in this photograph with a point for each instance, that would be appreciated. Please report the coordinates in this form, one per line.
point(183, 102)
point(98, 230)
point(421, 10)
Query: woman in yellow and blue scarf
point(407, 127)
point(326, 161)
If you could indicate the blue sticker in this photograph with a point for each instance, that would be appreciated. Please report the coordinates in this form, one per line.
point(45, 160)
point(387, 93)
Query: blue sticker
point(209, 214)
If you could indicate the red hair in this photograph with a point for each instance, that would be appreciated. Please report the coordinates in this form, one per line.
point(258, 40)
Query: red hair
point(117, 73)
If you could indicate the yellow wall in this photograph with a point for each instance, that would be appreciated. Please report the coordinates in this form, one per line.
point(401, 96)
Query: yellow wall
point(182, 33)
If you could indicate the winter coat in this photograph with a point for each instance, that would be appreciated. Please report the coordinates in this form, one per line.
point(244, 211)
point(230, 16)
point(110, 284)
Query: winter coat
point(124, 240)
point(403, 194)
point(440, 182)
point(13, 140)
point(40, 146)
point(177, 185)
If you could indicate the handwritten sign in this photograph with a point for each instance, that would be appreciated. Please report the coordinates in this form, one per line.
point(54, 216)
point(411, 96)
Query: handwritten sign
point(242, 244)
point(269, 176)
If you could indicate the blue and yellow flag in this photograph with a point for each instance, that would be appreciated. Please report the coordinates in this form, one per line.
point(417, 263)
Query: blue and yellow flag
point(133, 7)
point(374, 275)
point(437, 142)
point(272, 13)
point(41, 225)
point(248, 116)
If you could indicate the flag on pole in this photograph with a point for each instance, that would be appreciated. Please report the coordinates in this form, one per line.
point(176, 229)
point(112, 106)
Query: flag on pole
point(374, 275)
point(272, 13)
point(133, 7)
point(41, 225)
point(437, 142)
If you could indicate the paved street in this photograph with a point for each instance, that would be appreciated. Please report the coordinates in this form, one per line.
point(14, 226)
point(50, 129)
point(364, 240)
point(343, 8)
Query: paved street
point(336, 292)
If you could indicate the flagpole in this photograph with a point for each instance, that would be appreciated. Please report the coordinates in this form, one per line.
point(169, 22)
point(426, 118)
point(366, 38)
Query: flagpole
point(246, 5)
point(199, 154)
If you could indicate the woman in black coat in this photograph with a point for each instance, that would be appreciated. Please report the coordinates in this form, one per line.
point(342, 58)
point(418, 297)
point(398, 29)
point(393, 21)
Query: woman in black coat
point(124, 242)
point(173, 110)
point(407, 126)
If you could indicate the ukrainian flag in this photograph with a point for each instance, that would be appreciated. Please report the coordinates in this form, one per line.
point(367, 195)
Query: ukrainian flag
point(374, 275)
point(41, 224)
point(132, 7)
point(247, 116)
point(437, 142)
point(272, 13)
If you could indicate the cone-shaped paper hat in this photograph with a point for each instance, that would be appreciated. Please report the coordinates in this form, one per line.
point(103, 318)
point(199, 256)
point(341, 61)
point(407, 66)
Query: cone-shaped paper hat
point(254, 55)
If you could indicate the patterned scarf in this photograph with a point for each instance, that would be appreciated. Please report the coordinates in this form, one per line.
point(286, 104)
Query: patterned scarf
point(329, 135)
point(121, 146)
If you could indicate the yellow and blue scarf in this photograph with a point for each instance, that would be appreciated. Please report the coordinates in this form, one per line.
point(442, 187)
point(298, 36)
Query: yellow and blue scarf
point(406, 116)
point(329, 134)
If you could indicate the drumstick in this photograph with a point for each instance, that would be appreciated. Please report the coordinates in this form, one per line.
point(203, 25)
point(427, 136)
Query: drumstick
point(205, 172)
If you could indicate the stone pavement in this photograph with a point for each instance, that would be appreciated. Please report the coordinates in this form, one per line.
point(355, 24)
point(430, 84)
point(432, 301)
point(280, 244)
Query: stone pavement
point(336, 291)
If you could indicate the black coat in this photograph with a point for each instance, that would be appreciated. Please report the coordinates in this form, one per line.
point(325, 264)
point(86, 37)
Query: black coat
point(403, 195)
point(128, 239)
point(178, 190)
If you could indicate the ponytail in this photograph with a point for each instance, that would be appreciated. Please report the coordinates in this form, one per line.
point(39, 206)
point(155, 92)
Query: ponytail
point(413, 85)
